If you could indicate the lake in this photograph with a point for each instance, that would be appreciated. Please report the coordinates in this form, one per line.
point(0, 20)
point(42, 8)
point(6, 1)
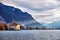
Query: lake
point(30, 35)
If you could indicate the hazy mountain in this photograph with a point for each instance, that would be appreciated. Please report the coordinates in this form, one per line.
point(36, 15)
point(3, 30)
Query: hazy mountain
point(10, 13)
point(54, 24)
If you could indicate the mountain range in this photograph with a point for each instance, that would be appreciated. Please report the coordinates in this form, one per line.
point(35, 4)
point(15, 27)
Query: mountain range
point(9, 13)
point(55, 24)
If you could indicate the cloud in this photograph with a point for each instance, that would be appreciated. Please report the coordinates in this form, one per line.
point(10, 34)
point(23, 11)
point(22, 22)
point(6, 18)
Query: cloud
point(57, 0)
point(44, 11)
point(0, 0)
point(36, 5)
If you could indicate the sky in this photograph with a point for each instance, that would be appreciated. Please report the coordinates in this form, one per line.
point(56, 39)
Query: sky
point(43, 11)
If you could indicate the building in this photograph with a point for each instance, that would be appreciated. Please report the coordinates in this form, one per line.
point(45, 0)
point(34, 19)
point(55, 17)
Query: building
point(2, 24)
point(13, 26)
point(18, 27)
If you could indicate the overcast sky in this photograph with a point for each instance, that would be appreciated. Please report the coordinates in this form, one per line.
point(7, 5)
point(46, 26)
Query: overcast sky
point(44, 11)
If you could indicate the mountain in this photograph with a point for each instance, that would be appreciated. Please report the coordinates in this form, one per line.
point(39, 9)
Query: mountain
point(10, 13)
point(54, 25)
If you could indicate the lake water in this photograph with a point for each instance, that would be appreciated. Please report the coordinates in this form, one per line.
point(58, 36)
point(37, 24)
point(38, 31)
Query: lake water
point(30, 35)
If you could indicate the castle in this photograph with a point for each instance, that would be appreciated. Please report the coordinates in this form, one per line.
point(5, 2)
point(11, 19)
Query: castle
point(11, 26)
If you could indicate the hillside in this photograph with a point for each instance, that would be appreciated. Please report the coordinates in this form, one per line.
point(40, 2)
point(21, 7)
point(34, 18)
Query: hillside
point(9, 13)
